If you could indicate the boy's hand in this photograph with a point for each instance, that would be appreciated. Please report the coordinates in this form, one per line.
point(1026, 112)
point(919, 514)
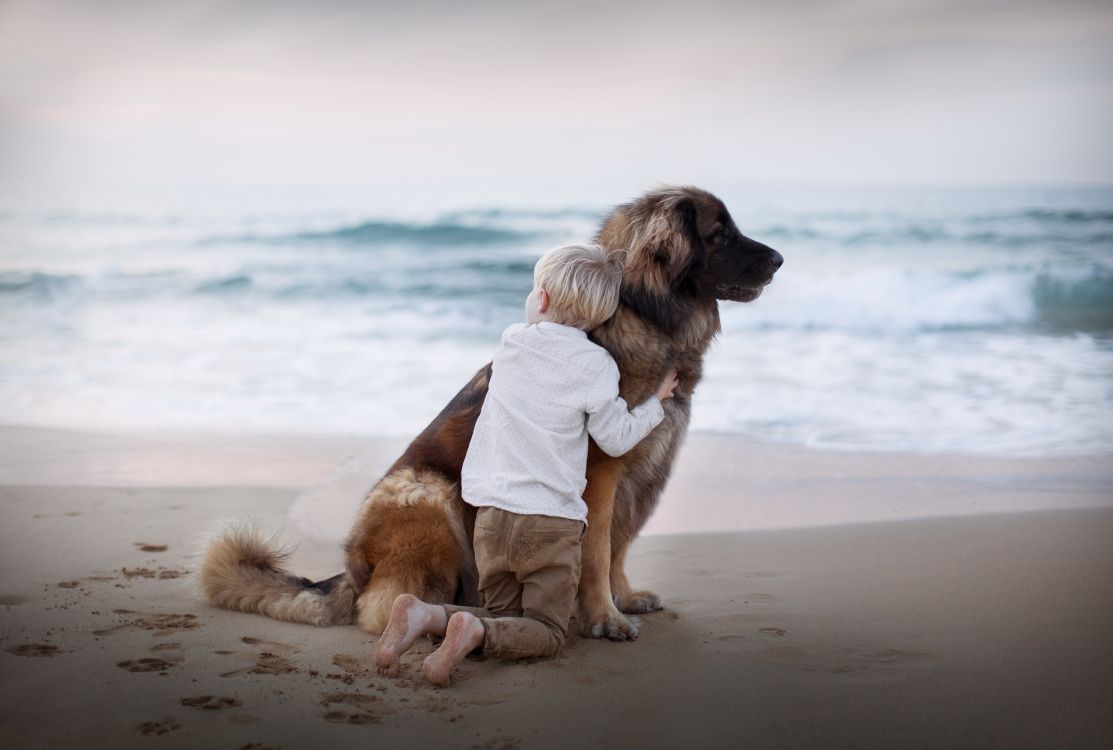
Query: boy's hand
point(664, 391)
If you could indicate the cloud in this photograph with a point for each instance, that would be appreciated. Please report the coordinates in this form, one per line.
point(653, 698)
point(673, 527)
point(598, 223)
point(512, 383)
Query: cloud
point(812, 91)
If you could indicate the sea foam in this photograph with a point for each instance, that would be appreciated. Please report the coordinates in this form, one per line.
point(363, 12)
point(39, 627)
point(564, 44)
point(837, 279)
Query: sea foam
point(926, 320)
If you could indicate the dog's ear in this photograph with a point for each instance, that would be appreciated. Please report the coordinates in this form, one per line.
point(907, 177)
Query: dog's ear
point(685, 214)
point(665, 247)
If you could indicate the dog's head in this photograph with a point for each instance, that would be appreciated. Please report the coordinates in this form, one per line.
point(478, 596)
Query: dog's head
point(682, 240)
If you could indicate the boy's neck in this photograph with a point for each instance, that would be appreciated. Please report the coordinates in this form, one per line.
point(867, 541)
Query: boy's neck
point(564, 328)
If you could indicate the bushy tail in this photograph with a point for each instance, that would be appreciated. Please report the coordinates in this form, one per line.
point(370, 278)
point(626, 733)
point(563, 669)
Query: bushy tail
point(242, 571)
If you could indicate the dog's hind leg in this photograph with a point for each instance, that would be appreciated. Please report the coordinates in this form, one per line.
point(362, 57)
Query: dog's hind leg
point(388, 582)
point(409, 538)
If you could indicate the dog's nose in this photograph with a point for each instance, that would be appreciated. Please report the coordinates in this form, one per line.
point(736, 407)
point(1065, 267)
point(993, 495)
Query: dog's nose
point(776, 259)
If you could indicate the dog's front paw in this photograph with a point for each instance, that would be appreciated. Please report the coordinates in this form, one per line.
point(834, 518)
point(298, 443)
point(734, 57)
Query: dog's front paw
point(611, 624)
point(639, 602)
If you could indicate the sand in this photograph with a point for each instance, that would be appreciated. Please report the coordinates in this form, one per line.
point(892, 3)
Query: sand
point(845, 600)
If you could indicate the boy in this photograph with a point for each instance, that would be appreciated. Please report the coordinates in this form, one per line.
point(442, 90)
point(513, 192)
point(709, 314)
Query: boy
point(525, 469)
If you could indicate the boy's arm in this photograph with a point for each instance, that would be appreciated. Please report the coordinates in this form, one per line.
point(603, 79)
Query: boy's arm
point(615, 427)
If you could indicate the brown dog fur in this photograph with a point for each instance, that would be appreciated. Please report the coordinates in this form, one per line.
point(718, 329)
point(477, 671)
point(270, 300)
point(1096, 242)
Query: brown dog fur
point(683, 253)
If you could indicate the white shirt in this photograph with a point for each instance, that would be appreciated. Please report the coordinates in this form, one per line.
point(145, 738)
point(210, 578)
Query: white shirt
point(550, 388)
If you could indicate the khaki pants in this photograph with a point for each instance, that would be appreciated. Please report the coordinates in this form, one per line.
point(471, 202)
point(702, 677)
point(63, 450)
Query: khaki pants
point(529, 569)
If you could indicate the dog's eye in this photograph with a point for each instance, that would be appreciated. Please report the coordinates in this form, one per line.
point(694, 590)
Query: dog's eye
point(715, 233)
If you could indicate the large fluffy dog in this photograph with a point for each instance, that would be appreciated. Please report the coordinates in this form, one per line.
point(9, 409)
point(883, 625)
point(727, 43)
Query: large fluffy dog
point(413, 532)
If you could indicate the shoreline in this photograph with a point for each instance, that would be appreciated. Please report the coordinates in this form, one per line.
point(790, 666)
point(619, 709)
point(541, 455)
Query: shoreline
point(719, 482)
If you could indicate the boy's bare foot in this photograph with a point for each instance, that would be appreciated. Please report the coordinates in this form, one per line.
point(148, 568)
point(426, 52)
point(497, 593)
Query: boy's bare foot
point(410, 618)
point(464, 634)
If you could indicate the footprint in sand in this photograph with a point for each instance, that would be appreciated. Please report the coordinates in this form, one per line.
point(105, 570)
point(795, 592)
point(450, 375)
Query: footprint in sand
point(146, 664)
point(343, 717)
point(210, 702)
point(239, 718)
point(766, 574)
point(273, 644)
point(160, 624)
point(34, 649)
point(499, 743)
point(269, 663)
point(162, 573)
point(143, 546)
point(265, 663)
point(755, 598)
point(899, 656)
point(77, 582)
point(352, 700)
point(878, 662)
point(352, 669)
point(748, 641)
point(155, 728)
point(13, 600)
point(351, 665)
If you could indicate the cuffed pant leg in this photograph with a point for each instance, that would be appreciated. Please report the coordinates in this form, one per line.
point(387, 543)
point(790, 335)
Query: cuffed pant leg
point(511, 638)
point(480, 612)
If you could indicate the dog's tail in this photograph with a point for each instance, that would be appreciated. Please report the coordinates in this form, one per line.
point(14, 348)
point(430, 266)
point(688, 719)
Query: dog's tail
point(242, 570)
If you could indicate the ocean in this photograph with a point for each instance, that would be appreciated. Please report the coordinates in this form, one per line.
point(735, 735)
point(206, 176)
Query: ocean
point(942, 320)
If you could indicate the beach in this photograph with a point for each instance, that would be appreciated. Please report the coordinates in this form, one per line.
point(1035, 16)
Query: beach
point(248, 252)
point(812, 599)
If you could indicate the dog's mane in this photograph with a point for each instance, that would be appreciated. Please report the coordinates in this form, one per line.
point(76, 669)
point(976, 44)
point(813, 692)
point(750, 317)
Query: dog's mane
point(664, 255)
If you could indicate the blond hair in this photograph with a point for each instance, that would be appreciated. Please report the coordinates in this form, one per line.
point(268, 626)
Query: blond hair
point(582, 282)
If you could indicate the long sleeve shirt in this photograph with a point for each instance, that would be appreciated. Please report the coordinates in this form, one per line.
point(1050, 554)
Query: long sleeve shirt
point(550, 388)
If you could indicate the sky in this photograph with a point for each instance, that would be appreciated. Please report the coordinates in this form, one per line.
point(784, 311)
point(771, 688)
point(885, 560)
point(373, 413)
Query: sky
point(847, 92)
